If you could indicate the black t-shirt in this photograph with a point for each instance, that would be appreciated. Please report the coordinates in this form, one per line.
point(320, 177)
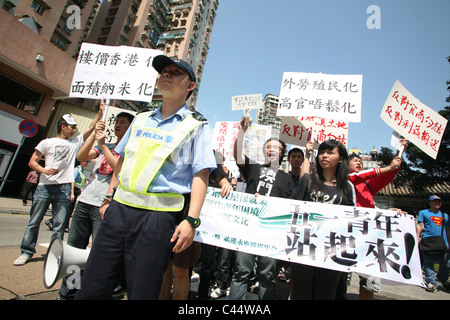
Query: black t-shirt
point(329, 194)
point(294, 177)
point(266, 180)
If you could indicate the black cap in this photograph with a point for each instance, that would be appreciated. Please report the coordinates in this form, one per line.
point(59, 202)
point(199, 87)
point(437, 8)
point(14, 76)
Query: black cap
point(161, 61)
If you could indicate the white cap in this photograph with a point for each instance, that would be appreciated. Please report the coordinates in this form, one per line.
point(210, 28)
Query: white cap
point(69, 119)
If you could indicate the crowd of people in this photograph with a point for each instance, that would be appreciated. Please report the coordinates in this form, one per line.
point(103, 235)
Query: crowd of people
point(142, 205)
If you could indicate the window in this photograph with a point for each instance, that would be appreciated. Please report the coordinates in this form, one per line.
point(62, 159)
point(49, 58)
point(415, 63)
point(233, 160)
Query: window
point(20, 96)
point(37, 7)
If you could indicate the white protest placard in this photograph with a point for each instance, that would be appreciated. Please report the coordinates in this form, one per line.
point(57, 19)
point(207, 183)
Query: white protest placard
point(110, 122)
point(250, 101)
point(370, 242)
point(328, 96)
point(414, 120)
point(396, 141)
point(114, 72)
point(297, 130)
point(223, 137)
point(225, 133)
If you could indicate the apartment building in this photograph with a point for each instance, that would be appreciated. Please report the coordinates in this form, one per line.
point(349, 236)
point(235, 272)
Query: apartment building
point(179, 28)
point(268, 115)
point(38, 42)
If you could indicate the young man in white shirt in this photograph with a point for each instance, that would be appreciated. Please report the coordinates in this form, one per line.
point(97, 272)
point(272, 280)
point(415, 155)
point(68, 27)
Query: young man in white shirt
point(55, 181)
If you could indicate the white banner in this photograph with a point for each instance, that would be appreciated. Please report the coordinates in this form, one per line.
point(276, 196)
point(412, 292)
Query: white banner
point(297, 130)
point(367, 241)
point(328, 96)
point(250, 101)
point(109, 72)
point(414, 120)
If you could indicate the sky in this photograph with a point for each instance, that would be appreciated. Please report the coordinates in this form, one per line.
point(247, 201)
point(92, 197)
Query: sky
point(254, 41)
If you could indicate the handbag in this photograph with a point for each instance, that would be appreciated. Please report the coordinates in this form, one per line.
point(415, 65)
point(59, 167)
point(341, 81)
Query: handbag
point(434, 246)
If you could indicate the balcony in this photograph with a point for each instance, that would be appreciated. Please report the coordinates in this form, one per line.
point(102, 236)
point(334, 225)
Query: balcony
point(174, 34)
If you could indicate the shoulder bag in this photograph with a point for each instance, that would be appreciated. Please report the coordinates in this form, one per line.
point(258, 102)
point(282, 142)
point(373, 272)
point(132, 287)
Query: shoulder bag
point(434, 246)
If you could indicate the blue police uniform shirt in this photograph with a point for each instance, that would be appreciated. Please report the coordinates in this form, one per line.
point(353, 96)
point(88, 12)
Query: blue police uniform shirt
point(176, 175)
point(433, 223)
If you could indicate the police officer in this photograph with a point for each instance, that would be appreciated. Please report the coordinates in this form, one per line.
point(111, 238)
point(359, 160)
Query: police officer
point(163, 171)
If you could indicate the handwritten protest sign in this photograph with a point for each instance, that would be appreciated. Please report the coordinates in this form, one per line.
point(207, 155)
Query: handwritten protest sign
point(114, 72)
point(250, 101)
point(110, 121)
point(297, 130)
point(371, 242)
point(336, 97)
point(225, 134)
point(414, 120)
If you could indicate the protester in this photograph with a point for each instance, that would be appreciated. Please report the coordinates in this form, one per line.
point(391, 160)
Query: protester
point(30, 186)
point(55, 181)
point(367, 183)
point(295, 158)
point(86, 219)
point(75, 191)
point(432, 229)
point(177, 273)
point(164, 164)
point(205, 267)
point(328, 184)
point(267, 180)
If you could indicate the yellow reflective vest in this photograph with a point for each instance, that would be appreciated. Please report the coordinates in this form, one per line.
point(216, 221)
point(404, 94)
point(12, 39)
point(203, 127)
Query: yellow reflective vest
point(146, 151)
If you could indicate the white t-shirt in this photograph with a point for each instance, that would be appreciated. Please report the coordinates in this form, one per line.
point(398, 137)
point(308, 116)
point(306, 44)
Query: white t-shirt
point(60, 154)
point(97, 188)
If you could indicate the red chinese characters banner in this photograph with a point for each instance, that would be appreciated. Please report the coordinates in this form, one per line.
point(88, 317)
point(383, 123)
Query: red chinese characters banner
point(225, 133)
point(414, 120)
point(297, 130)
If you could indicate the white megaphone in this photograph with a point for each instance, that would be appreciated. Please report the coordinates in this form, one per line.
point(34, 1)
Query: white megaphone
point(59, 257)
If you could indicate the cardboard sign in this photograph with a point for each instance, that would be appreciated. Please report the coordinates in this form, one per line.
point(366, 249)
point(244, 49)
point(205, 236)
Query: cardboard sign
point(109, 72)
point(251, 101)
point(328, 96)
point(297, 130)
point(414, 120)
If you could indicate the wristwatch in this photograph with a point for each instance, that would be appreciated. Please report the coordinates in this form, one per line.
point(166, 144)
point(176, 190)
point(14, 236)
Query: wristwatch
point(195, 222)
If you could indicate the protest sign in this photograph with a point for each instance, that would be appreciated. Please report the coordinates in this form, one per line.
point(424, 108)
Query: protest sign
point(396, 141)
point(414, 120)
point(110, 121)
point(114, 72)
point(298, 130)
point(225, 133)
point(336, 97)
point(250, 101)
point(370, 242)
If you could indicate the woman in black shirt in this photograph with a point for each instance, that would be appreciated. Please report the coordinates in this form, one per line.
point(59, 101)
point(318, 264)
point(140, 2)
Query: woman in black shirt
point(329, 184)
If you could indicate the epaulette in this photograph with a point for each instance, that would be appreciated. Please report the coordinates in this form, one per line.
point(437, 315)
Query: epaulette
point(198, 116)
point(145, 110)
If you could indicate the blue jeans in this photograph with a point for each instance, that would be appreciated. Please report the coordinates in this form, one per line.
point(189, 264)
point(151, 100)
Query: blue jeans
point(428, 268)
point(266, 268)
point(59, 196)
point(86, 221)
